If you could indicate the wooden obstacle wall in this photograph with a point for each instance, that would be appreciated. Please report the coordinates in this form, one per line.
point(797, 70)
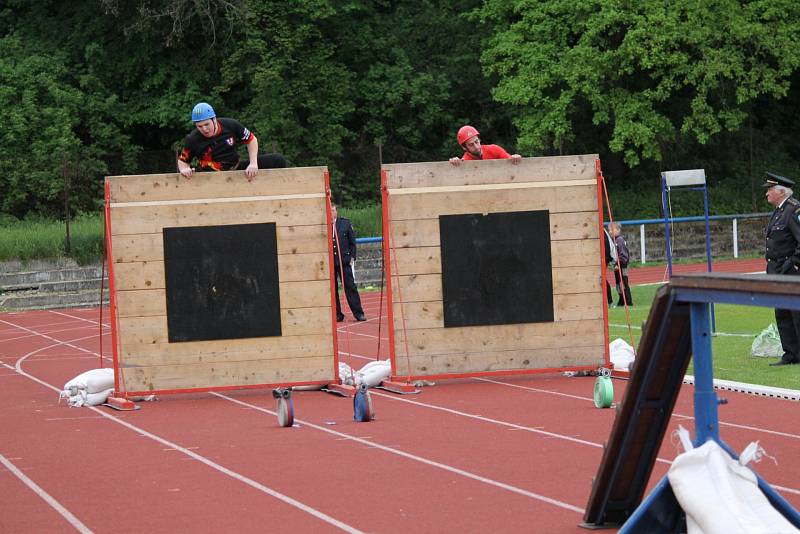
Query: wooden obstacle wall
point(419, 197)
point(288, 204)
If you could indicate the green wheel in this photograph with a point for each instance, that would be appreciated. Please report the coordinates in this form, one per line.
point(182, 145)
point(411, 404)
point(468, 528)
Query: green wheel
point(603, 392)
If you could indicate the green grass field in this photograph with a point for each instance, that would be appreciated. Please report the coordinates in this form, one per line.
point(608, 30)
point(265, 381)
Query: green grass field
point(736, 328)
point(46, 239)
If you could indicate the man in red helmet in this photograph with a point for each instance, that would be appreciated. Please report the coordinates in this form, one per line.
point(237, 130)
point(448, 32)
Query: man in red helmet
point(469, 139)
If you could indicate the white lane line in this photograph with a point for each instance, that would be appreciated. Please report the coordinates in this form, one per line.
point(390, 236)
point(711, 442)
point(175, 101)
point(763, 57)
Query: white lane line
point(79, 318)
point(490, 420)
point(46, 497)
point(721, 334)
point(420, 459)
point(37, 334)
point(660, 460)
point(535, 430)
point(224, 470)
point(58, 342)
point(688, 417)
point(354, 355)
point(528, 388)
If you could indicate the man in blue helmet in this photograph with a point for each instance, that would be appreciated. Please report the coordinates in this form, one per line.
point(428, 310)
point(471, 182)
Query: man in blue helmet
point(213, 144)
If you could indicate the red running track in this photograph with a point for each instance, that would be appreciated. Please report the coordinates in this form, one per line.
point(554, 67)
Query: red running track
point(659, 273)
point(508, 455)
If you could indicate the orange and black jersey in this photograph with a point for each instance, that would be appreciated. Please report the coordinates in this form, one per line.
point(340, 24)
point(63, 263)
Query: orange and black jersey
point(218, 152)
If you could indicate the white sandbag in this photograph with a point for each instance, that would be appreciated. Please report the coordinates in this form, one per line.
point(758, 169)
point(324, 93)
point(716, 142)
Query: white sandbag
point(374, 363)
point(373, 375)
point(622, 354)
point(92, 381)
point(721, 496)
point(346, 374)
point(83, 398)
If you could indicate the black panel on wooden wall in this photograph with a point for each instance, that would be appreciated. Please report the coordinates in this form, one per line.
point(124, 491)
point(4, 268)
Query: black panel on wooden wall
point(496, 268)
point(222, 282)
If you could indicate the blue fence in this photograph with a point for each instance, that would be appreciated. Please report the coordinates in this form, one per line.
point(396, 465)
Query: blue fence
point(649, 244)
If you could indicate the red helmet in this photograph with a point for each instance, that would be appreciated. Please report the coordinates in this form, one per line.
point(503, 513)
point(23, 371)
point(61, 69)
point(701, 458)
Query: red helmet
point(465, 133)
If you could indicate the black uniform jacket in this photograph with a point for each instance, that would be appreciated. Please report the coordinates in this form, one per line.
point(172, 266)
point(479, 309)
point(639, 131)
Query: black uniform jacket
point(783, 238)
point(347, 241)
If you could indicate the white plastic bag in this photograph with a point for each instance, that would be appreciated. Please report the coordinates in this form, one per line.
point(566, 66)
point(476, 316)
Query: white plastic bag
point(720, 495)
point(621, 354)
point(767, 344)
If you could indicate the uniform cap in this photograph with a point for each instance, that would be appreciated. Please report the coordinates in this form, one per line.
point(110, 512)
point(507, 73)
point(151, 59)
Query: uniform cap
point(774, 179)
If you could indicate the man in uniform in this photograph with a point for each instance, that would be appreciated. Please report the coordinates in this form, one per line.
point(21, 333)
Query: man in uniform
point(344, 249)
point(213, 144)
point(783, 257)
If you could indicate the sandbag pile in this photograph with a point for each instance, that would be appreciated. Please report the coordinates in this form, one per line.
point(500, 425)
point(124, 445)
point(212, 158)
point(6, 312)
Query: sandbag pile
point(91, 388)
point(371, 374)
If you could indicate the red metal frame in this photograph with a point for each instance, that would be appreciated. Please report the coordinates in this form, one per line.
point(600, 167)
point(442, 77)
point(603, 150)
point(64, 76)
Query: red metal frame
point(601, 191)
point(328, 233)
point(387, 267)
point(117, 344)
point(112, 293)
point(223, 388)
point(507, 372)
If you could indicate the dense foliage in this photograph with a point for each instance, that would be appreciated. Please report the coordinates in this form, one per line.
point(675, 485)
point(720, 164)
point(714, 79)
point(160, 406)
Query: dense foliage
point(99, 87)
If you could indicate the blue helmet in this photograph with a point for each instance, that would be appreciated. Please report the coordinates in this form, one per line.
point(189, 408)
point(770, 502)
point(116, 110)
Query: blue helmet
point(202, 111)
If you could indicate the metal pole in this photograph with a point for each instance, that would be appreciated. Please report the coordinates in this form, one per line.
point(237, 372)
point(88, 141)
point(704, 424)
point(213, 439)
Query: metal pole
point(641, 243)
point(705, 398)
point(708, 250)
point(668, 244)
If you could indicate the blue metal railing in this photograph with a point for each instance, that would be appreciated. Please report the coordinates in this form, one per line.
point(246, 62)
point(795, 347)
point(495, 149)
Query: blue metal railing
point(639, 222)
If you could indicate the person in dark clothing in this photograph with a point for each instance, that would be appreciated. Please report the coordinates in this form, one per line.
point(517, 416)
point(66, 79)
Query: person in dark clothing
point(213, 144)
point(623, 257)
point(783, 257)
point(610, 257)
point(344, 255)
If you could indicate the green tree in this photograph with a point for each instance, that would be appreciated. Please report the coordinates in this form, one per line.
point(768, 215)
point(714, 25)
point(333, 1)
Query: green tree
point(646, 75)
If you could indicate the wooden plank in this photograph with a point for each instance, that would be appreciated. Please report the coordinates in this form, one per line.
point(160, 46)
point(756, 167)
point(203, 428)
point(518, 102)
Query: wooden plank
point(208, 375)
point(431, 205)
point(407, 175)
point(149, 302)
point(294, 322)
point(428, 260)
point(225, 350)
point(291, 268)
point(429, 314)
point(587, 332)
point(291, 240)
point(152, 219)
point(426, 287)
point(212, 185)
point(563, 226)
point(511, 360)
point(141, 303)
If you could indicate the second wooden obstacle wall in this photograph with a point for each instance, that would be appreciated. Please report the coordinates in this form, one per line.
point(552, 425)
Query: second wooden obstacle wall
point(220, 282)
point(495, 268)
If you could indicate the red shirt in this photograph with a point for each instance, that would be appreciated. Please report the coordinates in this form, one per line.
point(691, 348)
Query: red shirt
point(489, 152)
